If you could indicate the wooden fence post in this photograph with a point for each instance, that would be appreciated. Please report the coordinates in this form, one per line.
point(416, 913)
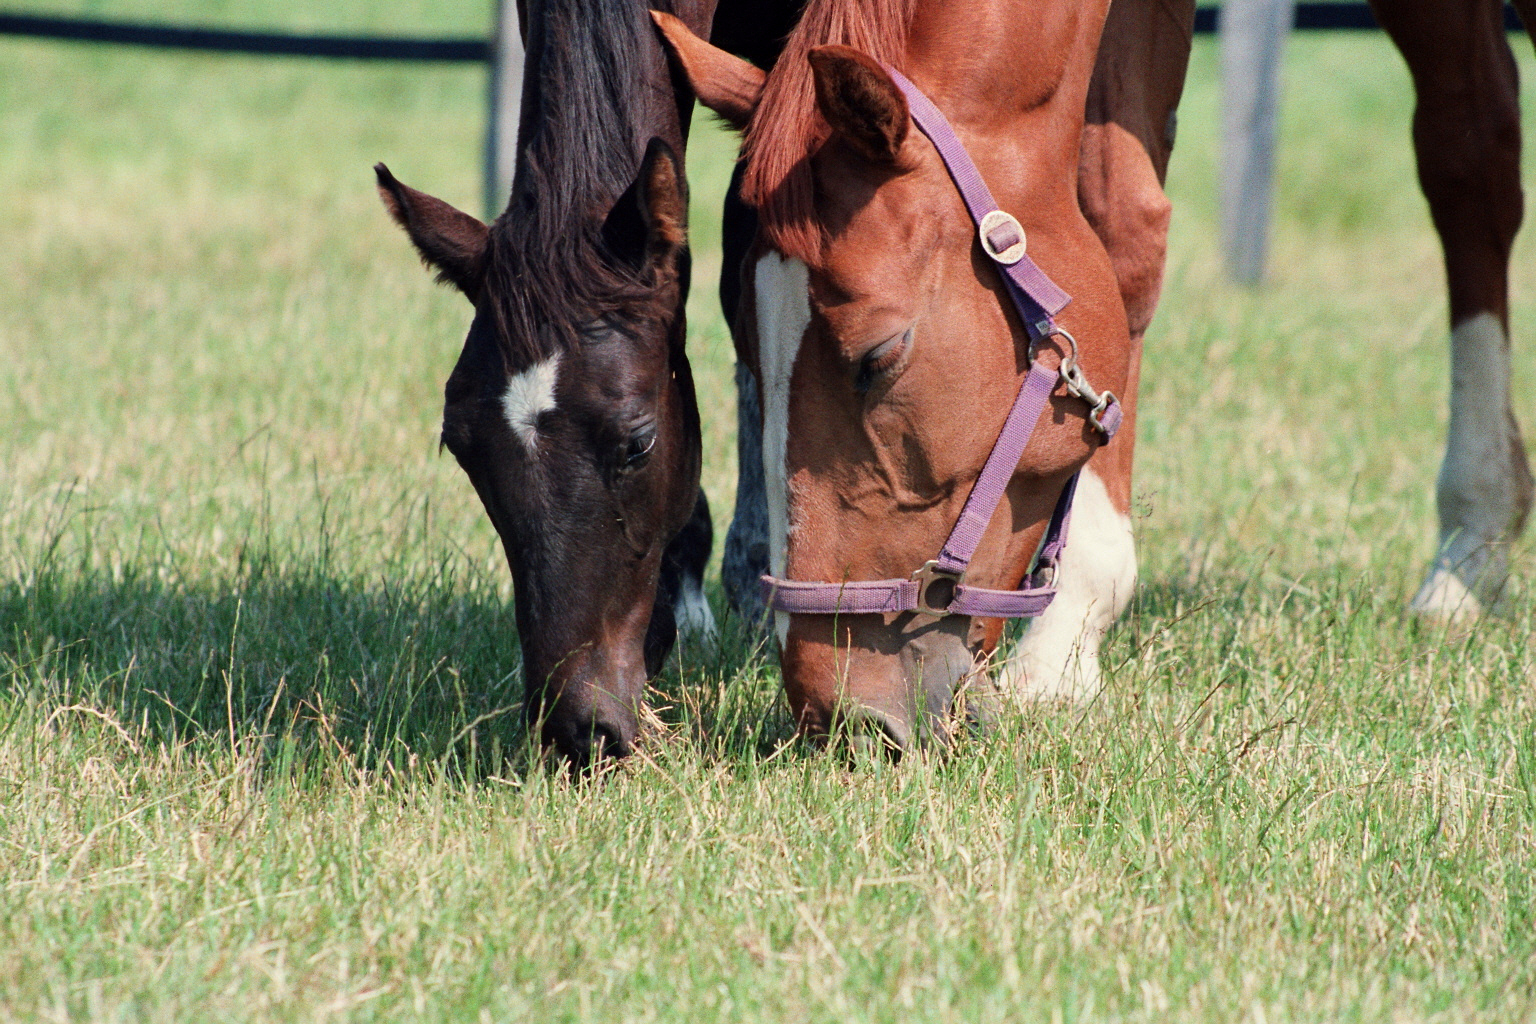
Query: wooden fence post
point(504, 108)
point(1252, 36)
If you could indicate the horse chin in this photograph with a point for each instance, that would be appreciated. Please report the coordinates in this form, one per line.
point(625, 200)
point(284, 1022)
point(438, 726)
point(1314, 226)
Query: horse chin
point(881, 686)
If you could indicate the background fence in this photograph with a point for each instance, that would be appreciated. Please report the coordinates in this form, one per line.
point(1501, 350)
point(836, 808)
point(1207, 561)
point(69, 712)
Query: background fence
point(1252, 31)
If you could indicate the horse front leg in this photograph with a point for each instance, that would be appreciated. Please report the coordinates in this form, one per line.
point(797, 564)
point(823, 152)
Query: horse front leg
point(1466, 137)
point(1127, 140)
point(745, 560)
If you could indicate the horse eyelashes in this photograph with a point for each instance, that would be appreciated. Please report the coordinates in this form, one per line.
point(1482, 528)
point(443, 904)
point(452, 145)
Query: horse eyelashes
point(637, 450)
point(881, 360)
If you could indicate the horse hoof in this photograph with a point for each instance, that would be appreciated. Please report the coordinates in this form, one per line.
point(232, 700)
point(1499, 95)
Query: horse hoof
point(1445, 598)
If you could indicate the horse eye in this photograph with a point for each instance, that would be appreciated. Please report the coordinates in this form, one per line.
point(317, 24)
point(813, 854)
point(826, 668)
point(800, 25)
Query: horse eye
point(637, 450)
point(881, 360)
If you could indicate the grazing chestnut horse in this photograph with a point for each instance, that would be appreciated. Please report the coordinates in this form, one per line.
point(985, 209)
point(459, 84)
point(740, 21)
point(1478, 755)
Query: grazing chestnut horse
point(1466, 136)
point(572, 406)
point(890, 348)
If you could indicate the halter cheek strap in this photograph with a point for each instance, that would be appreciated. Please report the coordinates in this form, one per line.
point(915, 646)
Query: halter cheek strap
point(936, 588)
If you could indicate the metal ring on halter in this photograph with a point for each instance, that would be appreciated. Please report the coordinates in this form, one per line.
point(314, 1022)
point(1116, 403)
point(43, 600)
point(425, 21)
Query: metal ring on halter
point(1012, 246)
point(1068, 359)
point(926, 577)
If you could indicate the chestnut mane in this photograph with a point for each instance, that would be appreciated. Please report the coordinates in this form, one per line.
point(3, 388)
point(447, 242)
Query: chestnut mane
point(787, 128)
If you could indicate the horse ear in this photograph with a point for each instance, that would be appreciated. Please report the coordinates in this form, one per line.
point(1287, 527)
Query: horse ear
point(448, 239)
point(723, 82)
point(860, 102)
point(648, 226)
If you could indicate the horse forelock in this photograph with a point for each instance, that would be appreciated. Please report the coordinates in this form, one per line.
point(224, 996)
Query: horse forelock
point(787, 127)
point(544, 294)
point(587, 117)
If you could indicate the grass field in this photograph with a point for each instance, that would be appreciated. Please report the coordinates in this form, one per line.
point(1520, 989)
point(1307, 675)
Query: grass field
point(258, 759)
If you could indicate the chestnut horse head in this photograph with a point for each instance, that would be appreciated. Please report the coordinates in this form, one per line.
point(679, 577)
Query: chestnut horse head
point(572, 407)
point(885, 343)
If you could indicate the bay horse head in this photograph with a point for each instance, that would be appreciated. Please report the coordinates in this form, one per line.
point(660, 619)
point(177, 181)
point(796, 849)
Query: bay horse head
point(886, 346)
point(572, 407)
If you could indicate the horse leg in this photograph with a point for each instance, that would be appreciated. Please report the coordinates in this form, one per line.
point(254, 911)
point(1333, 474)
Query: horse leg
point(681, 607)
point(1466, 136)
point(1127, 140)
point(746, 542)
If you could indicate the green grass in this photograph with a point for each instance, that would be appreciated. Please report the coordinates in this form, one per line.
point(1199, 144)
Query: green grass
point(257, 757)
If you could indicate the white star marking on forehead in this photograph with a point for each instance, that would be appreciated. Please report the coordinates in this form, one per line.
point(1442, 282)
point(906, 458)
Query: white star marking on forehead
point(529, 395)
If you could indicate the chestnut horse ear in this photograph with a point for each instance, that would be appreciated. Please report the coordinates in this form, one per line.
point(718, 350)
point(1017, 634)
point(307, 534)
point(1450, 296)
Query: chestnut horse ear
point(860, 102)
point(723, 82)
point(448, 239)
point(648, 226)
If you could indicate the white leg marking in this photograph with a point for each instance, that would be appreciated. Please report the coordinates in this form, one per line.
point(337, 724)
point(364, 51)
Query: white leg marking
point(529, 395)
point(1477, 493)
point(691, 609)
point(1058, 656)
point(783, 312)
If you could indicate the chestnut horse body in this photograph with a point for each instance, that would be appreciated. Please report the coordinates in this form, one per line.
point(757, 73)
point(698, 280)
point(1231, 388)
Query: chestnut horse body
point(1466, 135)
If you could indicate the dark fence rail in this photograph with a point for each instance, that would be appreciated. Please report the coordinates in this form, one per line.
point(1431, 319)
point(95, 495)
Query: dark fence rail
point(221, 41)
point(1326, 16)
point(1309, 16)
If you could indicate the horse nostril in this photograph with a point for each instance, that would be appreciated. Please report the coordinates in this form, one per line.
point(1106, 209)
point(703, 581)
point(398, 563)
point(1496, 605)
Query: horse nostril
point(594, 746)
point(865, 733)
point(609, 744)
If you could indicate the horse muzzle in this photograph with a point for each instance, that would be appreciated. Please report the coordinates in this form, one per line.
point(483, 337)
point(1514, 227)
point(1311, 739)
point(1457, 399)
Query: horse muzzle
point(588, 709)
point(877, 684)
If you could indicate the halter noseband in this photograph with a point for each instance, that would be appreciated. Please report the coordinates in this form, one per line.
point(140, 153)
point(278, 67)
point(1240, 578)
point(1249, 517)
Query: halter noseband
point(936, 588)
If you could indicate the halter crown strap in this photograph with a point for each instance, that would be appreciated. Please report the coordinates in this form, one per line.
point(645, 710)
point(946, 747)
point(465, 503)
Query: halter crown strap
point(1002, 238)
point(1035, 296)
point(935, 589)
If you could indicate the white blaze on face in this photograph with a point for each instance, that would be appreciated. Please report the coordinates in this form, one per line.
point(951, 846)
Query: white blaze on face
point(1477, 493)
point(783, 313)
point(1058, 656)
point(529, 395)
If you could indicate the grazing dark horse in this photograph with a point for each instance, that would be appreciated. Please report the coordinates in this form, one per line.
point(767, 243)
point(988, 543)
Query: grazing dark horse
point(572, 406)
point(889, 349)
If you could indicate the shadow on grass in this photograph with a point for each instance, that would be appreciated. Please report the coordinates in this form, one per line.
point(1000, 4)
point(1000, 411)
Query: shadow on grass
point(422, 668)
point(383, 674)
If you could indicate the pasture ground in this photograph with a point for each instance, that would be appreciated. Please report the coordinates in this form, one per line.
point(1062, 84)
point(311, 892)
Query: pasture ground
point(257, 759)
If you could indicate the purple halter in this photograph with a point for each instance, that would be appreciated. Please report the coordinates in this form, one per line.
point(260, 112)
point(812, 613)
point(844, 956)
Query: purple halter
point(936, 588)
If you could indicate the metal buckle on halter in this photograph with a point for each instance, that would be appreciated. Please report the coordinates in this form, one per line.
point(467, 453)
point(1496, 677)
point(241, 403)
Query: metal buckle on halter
point(1044, 576)
point(1012, 243)
point(1077, 384)
point(926, 577)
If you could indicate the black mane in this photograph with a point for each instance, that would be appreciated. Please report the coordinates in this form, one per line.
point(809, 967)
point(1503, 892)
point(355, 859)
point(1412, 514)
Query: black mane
point(596, 87)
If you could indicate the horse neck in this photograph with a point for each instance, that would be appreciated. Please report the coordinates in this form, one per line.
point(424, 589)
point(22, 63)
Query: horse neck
point(1009, 73)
